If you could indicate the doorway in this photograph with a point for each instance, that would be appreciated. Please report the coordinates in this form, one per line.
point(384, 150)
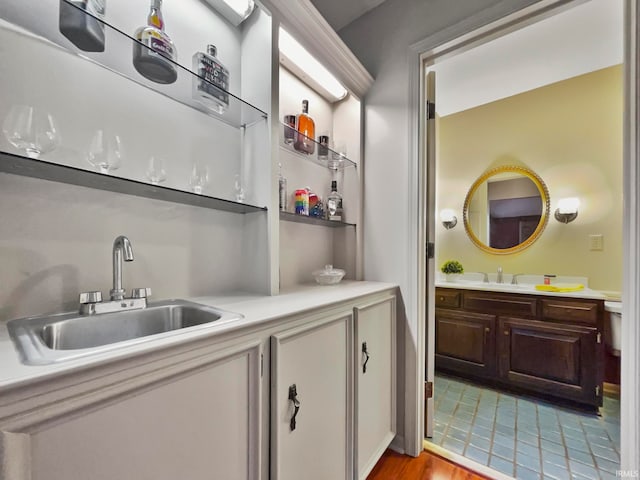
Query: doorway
point(469, 399)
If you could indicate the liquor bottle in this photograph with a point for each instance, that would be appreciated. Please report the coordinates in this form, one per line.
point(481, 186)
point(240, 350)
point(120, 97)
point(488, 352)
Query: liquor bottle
point(282, 189)
point(334, 203)
point(154, 53)
point(211, 85)
point(79, 23)
point(306, 131)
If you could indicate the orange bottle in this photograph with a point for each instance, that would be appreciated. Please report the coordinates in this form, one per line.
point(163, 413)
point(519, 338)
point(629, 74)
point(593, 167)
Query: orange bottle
point(306, 131)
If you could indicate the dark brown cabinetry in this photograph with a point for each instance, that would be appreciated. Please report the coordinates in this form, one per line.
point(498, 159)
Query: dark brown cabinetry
point(540, 344)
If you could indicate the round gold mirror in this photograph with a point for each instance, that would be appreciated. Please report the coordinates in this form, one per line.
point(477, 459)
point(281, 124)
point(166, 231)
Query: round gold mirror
point(506, 209)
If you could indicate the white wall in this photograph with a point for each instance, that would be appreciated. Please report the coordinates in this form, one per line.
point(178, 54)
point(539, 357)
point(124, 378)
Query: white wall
point(381, 40)
point(55, 239)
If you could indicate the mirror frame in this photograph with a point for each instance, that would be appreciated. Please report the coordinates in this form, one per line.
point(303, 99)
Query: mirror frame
point(544, 217)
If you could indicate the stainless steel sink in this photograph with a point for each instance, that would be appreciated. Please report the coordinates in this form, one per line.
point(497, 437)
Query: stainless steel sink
point(55, 338)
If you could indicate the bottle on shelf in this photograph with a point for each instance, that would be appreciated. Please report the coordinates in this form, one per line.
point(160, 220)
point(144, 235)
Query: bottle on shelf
point(334, 203)
point(79, 23)
point(290, 129)
point(306, 131)
point(155, 52)
point(282, 189)
point(211, 85)
point(302, 201)
point(323, 147)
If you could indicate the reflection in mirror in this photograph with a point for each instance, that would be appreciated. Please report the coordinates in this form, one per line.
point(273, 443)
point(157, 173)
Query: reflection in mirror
point(506, 209)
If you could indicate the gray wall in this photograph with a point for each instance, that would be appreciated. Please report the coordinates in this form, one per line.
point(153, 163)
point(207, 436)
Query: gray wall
point(381, 40)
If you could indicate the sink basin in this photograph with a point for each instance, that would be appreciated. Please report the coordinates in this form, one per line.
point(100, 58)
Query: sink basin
point(54, 338)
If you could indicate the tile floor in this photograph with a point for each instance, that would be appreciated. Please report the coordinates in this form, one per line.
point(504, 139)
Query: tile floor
point(524, 437)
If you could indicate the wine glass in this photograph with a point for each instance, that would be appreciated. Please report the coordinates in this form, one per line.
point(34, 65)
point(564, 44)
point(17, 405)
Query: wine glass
point(239, 189)
point(106, 151)
point(199, 178)
point(156, 172)
point(31, 130)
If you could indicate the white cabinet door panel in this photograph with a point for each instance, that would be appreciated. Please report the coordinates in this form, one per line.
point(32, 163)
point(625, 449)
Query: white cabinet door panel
point(202, 423)
point(316, 358)
point(375, 382)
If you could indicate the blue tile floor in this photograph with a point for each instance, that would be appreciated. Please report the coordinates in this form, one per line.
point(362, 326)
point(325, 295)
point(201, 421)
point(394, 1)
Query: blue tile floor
point(523, 437)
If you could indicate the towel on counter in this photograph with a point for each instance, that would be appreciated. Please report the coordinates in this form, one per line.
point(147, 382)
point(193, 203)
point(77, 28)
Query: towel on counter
point(561, 287)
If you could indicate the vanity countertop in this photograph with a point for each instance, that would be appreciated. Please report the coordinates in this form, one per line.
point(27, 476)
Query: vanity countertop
point(256, 309)
point(523, 289)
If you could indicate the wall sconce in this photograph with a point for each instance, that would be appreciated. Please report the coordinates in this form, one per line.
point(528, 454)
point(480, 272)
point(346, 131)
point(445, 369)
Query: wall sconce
point(448, 218)
point(567, 210)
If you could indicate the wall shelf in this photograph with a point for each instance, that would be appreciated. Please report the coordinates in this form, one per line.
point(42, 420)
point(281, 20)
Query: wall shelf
point(29, 167)
point(293, 217)
point(334, 160)
point(117, 58)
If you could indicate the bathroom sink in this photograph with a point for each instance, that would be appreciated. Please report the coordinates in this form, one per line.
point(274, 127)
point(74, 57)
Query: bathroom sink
point(50, 339)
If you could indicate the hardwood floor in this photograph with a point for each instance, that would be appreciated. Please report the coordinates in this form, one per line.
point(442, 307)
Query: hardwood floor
point(393, 466)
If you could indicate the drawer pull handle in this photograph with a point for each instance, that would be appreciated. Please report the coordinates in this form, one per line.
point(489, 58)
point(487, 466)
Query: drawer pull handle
point(486, 333)
point(366, 354)
point(506, 332)
point(293, 396)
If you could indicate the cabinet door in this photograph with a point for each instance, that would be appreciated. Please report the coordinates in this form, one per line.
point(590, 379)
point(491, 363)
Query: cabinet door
point(465, 342)
point(555, 359)
point(312, 401)
point(375, 382)
point(201, 422)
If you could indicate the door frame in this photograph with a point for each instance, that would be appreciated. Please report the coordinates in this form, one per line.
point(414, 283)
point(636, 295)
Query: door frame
point(457, 39)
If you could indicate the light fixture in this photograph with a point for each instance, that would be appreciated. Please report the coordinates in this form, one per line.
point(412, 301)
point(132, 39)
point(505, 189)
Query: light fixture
point(297, 59)
point(236, 11)
point(567, 210)
point(448, 218)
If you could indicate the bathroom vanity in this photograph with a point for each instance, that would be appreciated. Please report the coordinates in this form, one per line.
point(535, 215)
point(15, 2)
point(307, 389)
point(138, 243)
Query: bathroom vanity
point(545, 344)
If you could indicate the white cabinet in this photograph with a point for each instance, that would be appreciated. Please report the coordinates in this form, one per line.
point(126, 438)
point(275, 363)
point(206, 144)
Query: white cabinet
point(315, 359)
point(198, 421)
point(375, 381)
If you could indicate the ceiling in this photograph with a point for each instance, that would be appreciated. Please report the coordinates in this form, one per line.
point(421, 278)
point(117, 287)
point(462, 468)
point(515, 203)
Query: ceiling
point(583, 39)
point(340, 13)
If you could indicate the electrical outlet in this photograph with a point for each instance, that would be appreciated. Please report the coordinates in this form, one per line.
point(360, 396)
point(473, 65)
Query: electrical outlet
point(595, 242)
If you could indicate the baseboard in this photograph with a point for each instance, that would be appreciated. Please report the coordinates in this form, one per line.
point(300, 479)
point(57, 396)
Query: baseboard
point(611, 390)
point(397, 445)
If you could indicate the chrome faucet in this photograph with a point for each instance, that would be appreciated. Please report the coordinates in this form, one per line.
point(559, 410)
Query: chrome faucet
point(91, 302)
point(499, 277)
point(485, 277)
point(514, 279)
point(121, 251)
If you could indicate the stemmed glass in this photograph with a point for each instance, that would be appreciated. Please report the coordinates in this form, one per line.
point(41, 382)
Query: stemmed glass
point(156, 172)
point(199, 177)
point(106, 151)
point(239, 189)
point(31, 130)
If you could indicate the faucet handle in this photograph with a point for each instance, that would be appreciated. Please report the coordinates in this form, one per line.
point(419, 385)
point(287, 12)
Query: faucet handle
point(141, 292)
point(90, 297)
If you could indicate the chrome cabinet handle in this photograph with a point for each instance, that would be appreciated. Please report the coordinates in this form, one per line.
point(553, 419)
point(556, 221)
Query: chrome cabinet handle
point(366, 354)
point(293, 396)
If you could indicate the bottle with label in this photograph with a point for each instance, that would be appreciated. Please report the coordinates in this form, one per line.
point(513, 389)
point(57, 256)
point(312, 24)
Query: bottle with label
point(79, 23)
point(211, 86)
point(334, 203)
point(282, 189)
point(154, 55)
point(306, 131)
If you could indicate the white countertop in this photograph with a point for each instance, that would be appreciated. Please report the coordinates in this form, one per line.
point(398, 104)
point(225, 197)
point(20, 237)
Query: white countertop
point(254, 308)
point(528, 289)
